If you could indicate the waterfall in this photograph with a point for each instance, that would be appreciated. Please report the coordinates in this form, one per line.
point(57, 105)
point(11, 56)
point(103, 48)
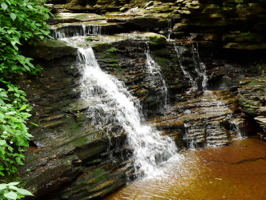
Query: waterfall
point(106, 94)
point(149, 147)
point(156, 78)
point(193, 83)
point(200, 68)
point(76, 30)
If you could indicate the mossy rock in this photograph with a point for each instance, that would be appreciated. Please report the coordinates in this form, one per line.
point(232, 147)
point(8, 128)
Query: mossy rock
point(51, 49)
point(157, 40)
point(100, 46)
point(113, 50)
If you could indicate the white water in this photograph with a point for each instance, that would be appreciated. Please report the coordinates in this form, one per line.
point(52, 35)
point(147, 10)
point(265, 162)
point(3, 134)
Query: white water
point(194, 85)
point(78, 30)
point(200, 67)
point(106, 93)
point(149, 147)
point(156, 77)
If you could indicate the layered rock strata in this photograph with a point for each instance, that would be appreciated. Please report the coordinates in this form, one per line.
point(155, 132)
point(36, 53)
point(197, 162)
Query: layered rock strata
point(71, 156)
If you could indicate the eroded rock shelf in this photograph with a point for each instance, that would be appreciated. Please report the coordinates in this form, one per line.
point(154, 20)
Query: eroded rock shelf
point(72, 156)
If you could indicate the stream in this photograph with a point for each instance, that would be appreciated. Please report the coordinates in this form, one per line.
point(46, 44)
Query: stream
point(237, 171)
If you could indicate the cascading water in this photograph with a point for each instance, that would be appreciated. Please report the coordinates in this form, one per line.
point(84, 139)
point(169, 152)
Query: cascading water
point(193, 83)
point(200, 68)
point(170, 29)
point(69, 30)
point(156, 78)
point(106, 93)
point(149, 147)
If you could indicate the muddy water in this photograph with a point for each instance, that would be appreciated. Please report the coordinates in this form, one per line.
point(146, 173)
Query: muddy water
point(232, 172)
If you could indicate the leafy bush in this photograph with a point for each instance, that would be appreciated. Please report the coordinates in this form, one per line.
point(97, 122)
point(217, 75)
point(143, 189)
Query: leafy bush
point(14, 135)
point(11, 191)
point(21, 22)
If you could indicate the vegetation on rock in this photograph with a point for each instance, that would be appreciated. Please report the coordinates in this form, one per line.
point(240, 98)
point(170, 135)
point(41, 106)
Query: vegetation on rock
point(21, 22)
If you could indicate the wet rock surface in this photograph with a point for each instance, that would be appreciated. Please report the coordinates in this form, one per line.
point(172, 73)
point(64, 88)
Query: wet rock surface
point(231, 24)
point(75, 156)
point(207, 119)
point(252, 100)
point(66, 145)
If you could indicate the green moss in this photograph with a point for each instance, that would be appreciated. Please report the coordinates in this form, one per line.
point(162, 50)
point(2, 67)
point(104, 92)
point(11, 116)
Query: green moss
point(113, 50)
point(101, 175)
point(80, 142)
point(53, 43)
point(160, 9)
point(89, 39)
point(112, 60)
point(157, 39)
point(100, 46)
point(163, 63)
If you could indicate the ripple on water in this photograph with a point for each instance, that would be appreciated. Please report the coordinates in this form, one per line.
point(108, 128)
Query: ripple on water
point(232, 172)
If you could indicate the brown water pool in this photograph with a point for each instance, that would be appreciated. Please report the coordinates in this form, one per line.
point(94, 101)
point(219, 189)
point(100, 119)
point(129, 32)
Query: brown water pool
point(234, 172)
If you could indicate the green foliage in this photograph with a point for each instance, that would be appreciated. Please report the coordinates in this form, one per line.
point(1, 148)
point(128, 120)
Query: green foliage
point(11, 192)
point(14, 135)
point(21, 22)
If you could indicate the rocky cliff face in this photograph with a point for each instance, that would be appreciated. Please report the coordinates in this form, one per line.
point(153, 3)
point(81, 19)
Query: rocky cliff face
point(74, 156)
point(235, 24)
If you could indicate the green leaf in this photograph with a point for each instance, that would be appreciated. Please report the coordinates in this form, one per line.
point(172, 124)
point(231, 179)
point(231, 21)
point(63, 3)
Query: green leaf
point(26, 67)
point(3, 108)
point(29, 6)
point(11, 195)
point(13, 16)
point(12, 187)
point(3, 94)
point(3, 186)
point(24, 192)
point(10, 88)
point(2, 142)
point(18, 159)
point(11, 113)
point(34, 124)
point(1, 102)
point(23, 107)
point(10, 148)
point(13, 183)
point(25, 143)
point(4, 6)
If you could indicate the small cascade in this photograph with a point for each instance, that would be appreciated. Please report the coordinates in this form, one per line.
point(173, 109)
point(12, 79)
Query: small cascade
point(76, 30)
point(101, 27)
point(194, 135)
point(156, 78)
point(170, 29)
point(200, 68)
point(107, 93)
point(235, 123)
point(194, 85)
